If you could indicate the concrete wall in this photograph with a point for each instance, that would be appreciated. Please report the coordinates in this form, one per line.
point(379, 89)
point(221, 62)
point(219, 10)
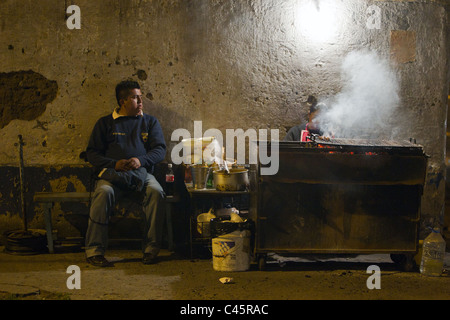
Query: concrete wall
point(230, 63)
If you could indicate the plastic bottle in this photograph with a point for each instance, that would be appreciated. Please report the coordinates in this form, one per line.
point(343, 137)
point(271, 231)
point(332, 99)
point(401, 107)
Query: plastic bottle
point(170, 181)
point(433, 253)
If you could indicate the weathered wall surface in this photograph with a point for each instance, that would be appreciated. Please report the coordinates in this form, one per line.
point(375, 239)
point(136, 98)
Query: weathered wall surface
point(232, 64)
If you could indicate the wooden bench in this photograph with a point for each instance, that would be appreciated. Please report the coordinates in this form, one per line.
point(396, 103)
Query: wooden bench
point(50, 198)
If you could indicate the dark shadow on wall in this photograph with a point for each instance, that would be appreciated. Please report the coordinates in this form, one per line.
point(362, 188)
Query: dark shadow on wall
point(24, 95)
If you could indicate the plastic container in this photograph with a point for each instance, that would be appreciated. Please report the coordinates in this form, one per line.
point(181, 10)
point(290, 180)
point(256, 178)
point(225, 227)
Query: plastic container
point(203, 223)
point(231, 252)
point(433, 253)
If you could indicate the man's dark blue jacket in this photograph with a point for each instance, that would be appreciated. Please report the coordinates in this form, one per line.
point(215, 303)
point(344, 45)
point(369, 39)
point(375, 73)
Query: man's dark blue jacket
point(121, 137)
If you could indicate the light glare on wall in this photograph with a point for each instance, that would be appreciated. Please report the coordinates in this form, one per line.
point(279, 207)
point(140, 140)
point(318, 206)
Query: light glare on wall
point(317, 20)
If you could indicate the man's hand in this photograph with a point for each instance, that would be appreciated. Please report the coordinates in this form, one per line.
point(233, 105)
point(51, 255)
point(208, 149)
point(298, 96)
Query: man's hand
point(122, 165)
point(134, 164)
point(127, 165)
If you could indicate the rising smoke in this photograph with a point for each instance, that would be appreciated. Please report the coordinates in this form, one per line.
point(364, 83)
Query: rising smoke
point(368, 99)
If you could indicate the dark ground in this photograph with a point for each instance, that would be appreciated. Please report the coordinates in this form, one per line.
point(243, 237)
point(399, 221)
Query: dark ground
point(177, 277)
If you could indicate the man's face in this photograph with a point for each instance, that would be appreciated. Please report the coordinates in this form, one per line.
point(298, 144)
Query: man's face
point(132, 105)
point(313, 124)
point(313, 115)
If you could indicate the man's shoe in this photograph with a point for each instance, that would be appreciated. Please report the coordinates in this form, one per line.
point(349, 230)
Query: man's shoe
point(99, 261)
point(149, 258)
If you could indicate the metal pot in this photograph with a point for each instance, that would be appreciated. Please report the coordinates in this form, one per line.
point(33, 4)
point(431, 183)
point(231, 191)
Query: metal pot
point(234, 180)
point(199, 176)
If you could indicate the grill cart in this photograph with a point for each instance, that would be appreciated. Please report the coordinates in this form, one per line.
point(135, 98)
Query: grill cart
point(341, 196)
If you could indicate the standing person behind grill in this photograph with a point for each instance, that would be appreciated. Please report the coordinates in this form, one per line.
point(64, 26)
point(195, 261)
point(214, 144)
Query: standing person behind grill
point(125, 146)
point(302, 131)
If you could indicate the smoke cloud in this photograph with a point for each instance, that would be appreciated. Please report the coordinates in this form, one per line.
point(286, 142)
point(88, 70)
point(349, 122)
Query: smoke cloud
point(367, 101)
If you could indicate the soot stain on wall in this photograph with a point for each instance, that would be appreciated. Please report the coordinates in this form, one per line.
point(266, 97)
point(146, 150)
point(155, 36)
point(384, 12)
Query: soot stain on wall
point(24, 95)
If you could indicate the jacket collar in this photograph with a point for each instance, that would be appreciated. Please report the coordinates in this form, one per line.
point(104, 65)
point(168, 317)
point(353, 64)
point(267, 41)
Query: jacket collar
point(116, 114)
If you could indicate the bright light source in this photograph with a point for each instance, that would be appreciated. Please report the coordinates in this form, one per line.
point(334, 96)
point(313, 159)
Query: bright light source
point(317, 20)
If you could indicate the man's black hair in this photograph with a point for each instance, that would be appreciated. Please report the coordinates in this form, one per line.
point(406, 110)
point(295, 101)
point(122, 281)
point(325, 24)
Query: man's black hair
point(312, 101)
point(123, 89)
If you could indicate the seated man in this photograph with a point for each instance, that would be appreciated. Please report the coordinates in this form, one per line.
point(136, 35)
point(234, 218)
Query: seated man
point(303, 131)
point(124, 147)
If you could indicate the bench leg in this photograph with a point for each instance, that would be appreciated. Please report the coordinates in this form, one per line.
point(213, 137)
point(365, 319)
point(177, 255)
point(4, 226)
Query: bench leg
point(48, 226)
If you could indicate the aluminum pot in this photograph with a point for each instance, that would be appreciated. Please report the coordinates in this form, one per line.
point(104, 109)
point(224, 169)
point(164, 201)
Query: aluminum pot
point(234, 180)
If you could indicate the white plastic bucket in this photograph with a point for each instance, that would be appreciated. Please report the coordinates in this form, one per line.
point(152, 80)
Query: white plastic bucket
point(231, 252)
